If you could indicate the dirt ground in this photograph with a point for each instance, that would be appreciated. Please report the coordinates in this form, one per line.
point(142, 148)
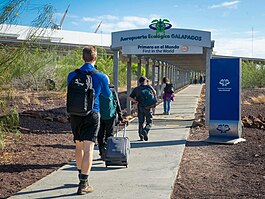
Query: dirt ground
point(206, 171)
point(224, 171)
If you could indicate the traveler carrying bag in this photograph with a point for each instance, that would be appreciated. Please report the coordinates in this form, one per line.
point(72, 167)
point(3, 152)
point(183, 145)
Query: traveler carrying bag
point(80, 94)
point(169, 88)
point(118, 150)
point(147, 97)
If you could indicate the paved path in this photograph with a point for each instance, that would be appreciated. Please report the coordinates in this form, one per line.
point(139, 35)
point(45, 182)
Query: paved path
point(152, 168)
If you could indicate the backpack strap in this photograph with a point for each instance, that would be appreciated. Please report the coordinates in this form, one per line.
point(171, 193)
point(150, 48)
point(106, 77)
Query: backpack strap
point(88, 73)
point(78, 70)
point(93, 72)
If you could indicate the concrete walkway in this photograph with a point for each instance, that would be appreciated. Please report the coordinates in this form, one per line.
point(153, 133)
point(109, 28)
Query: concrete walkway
point(152, 168)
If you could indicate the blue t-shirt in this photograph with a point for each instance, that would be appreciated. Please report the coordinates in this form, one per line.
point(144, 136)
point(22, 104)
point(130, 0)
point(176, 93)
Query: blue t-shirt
point(100, 84)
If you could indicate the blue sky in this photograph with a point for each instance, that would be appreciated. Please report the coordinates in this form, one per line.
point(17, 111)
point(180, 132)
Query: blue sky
point(237, 26)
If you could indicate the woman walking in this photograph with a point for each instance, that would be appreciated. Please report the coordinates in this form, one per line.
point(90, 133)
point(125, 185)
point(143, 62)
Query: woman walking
point(167, 92)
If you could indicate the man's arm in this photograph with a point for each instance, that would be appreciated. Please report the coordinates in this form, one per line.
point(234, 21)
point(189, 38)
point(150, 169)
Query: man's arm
point(162, 89)
point(105, 90)
point(153, 90)
point(118, 108)
point(133, 100)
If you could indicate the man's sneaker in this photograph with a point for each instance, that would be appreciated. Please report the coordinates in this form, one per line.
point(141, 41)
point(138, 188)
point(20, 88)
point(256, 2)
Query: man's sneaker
point(141, 137)
point(84, 189)
point(145, 135)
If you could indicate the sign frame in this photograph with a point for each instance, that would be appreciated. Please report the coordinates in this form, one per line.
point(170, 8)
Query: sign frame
point(225, 101)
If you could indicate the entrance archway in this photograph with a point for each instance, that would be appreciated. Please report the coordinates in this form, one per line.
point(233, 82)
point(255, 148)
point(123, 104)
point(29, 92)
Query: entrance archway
point(183, 49)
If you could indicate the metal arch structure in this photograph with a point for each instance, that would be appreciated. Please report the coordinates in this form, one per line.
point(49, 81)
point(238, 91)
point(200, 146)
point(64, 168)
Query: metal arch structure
point(181, 49)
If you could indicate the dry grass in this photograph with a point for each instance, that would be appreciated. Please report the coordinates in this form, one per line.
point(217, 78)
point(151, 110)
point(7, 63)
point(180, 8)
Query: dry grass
point(259, 100)
point(246, 102)
point(25, 99)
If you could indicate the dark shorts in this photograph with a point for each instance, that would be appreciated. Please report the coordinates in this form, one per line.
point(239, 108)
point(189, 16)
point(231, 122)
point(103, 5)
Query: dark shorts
point(85, 127)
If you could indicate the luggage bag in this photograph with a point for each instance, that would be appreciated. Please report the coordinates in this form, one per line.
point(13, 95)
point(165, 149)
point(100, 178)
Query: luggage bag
point(118, 150)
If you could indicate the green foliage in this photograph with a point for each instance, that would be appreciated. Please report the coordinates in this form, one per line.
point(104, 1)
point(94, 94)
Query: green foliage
point(73, 60)
point(10, 11)
point(29, 69)
point(1, 136)
point(65, 64)
point(9, 123)
point(253, 75)
point(122, 73)
point(105, 63)
point(17, 64)
point(135, 70)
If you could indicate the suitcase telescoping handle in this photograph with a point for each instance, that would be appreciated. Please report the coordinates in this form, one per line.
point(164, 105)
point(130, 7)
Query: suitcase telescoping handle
point(117, 129)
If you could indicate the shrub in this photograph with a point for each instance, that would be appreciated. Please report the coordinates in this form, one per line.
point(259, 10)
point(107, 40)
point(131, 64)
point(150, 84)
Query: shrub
point(253, 75)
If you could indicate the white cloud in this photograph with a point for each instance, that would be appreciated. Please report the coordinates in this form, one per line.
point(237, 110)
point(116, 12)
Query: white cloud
point(112, 23)
point(112, 27)
point(60, 15)
point(100, 18)
point(75, 23)
point(240, 47)
point(89, 19)
point(137, 20)
point(228, 4)
point(108, 17)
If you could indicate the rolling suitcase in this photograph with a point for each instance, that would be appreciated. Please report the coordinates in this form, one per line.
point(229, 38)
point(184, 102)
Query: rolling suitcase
point(118, 150)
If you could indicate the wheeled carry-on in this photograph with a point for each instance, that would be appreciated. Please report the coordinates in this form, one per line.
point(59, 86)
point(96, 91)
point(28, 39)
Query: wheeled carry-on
point(118, 150)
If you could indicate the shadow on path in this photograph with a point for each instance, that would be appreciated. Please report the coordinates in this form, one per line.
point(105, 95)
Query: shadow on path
point(22, 167)
point(142, 144)
point(65, 186)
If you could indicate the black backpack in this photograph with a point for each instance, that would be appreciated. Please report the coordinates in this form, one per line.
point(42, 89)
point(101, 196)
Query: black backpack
point(80, 94)
point(169, 88)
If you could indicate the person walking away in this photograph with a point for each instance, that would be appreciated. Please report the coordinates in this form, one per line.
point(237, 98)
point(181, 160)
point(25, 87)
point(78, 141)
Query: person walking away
point(85, 126)
point(167, 93)
point(110, 108)
point(144, 96)
point(200, 80)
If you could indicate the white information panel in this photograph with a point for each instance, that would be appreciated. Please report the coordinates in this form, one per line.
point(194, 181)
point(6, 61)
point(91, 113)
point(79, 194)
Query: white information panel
point(172, 36)
point(161, 49)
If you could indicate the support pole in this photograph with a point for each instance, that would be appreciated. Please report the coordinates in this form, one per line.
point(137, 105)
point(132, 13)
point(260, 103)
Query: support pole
point(166, 70)
point(116, 69)
point(147, 68)
point(162, 71)
point(207, 100)
point(129, 83)
point(153, 73)
point(139, 69)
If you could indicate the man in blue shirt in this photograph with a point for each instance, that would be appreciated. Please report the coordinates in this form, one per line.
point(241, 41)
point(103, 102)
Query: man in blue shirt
point(85, 128)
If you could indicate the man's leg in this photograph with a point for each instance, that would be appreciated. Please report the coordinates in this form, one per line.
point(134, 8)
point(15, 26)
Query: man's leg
point(148, 115)
point(84, 156)
point(76, 121)
point(79, 154)
point(84, 187)
point(88, 148)
point(109, 128)
point(100, 138)
point(140, 122)
point(88, 133)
